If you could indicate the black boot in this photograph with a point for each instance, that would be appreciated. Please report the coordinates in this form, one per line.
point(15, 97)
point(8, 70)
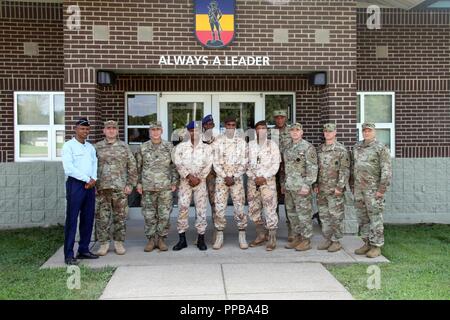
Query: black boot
point(201, 242)
point(181, 243)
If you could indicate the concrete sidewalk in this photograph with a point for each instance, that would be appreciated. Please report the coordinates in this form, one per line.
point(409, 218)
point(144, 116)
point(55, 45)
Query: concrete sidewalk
point(229, 273)
point(266, 281)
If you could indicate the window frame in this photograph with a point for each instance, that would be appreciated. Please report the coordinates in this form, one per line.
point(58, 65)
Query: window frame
point(51, 128)
point(126, 126)
point(379, 125)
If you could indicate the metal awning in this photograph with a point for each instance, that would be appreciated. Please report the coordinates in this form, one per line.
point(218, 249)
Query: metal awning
point(407, 4)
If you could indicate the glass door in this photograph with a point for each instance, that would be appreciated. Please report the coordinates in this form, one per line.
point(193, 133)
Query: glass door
point(177, 110)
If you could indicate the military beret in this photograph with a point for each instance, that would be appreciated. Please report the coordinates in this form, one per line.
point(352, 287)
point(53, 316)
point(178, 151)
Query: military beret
point(368, 125)
point(296, 125)
point(207, 119)
point(111, 123)
point(83, 122)
point(282, 113)
point(261, 123)
point(192, 125)
point(155, 124)
point(329, 127)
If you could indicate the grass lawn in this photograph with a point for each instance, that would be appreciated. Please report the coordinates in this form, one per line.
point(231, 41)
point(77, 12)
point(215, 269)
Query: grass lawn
point(23, 251)
point(419, 268)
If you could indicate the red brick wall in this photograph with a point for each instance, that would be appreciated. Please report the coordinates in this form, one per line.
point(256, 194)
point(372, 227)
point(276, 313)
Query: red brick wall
point(418, 71)
point(27, 22)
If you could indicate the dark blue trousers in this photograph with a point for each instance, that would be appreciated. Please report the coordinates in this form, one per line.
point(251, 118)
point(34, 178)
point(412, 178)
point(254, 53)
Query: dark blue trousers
point(80, 201)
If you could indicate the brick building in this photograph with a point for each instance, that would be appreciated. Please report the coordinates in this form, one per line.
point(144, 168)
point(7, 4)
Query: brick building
point(397, 75)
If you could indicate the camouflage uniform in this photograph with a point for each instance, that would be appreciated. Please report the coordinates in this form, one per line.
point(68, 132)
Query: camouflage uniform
point(283, 138)
point(116, 170)
point(197, 161)
point(230, 160)
point(211, 180)
point(157, 175)
point(371, 172)
point(301, 171)
point(263, 161)
point(334, 172)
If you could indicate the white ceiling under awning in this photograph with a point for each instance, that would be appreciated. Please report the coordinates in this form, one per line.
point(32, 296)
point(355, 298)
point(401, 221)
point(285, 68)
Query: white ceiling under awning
point(403, 4)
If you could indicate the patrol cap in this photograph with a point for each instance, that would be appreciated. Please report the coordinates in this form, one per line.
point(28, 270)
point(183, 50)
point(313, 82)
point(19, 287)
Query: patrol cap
point(192, 125)
point(155, 125)
point(296, 125)
point(207, 119)
point(368, 125)
point(282, 113)
point(329, 127)
point(261, 123)
point(84, 122)
point(111, 123)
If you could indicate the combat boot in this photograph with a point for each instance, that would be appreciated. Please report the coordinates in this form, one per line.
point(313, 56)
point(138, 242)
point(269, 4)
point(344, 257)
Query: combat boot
point(291, 235)
point(150, 245)
point(242, 240)
point(294, 243)
point(161, 244)
point(103, 250)
point(364, 249)
point(119, 248)
point(271, 245)
point(335, 246)
point(325, 244)
point(304, 245)
point(373, 252)
point(260, 236)
point(181, 243)
point(218, 243)
point(201, 245)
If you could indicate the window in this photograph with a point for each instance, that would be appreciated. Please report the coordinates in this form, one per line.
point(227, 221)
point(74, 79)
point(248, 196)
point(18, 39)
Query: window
point(39, 125)
point(279, 102)
point(378, 107)
point(141, 109)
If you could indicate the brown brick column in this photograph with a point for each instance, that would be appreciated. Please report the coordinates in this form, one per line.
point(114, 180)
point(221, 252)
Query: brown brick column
point(82, 100)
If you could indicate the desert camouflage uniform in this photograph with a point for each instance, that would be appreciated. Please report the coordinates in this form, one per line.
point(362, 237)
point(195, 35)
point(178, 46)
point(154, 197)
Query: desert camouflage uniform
point(371, 172)
point(230, 160)
point(211, 179)
point(263, 161)
point(157, 175)
point(301, 171)
point(334, 172)
point(116, 170)
point(196, 161)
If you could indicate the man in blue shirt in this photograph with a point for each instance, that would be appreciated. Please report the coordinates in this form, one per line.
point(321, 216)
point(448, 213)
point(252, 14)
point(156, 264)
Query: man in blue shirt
point(80, 166)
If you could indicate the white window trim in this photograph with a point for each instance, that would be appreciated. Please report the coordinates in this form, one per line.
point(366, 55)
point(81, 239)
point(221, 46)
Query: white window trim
point(50, 128)
point(390, 126)
point(126, 126)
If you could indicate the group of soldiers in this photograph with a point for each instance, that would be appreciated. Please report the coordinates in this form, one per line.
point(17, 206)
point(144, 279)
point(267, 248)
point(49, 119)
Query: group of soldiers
point(278, 164)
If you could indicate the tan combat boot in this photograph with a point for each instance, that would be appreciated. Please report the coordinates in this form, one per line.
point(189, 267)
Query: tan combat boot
point(304, 245)
point(272, 240)
point(260, 236)
point(335, 246)
point(291, 235)
point(324, 245)
point(103, 250)
point(218, 243)
point(161, 244)
point(150, 245)
point(294, 243)
point(373, 252)
point(364, 249)
point(119, 248)
point(242, 240)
